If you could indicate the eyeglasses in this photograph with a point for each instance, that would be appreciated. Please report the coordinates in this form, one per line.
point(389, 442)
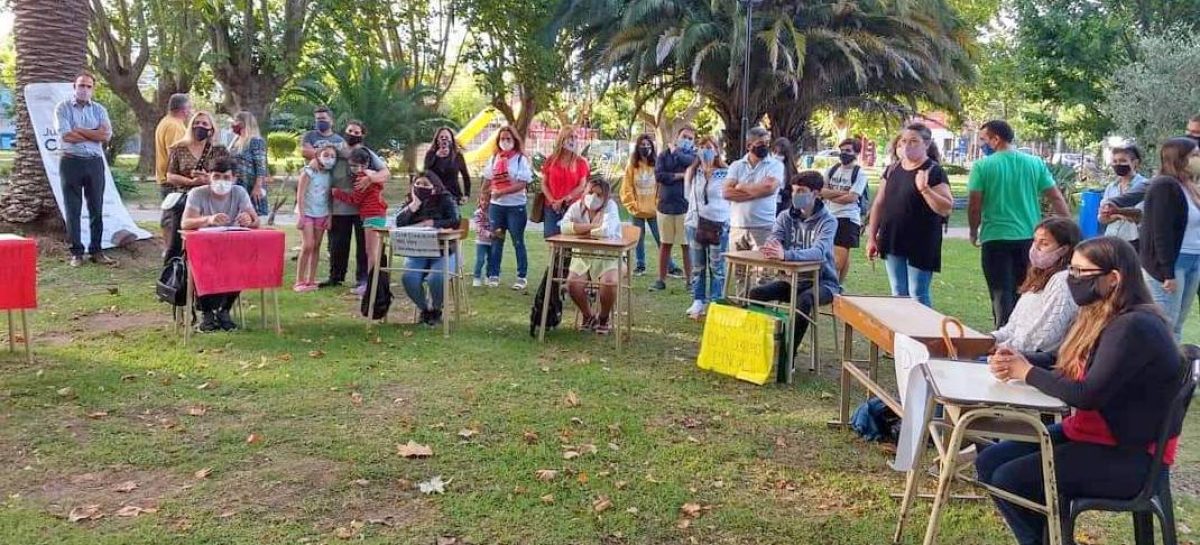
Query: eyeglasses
point(1076, 272)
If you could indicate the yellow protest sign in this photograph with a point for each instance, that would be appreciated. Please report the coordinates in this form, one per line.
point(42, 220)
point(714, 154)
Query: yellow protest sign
point(739, 343)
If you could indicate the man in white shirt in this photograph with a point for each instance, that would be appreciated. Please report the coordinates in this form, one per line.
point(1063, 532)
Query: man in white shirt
point(751, 186)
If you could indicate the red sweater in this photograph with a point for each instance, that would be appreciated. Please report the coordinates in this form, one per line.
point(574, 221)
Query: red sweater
point(369, 201)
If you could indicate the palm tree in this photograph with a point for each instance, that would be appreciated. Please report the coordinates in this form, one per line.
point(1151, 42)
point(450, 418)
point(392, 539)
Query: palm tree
point(51, 41)
point(876, 54)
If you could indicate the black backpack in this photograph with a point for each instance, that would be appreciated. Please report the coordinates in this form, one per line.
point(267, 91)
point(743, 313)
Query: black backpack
point(556, 303)
point(864, 200)
point(383, 297)
point(172, 283)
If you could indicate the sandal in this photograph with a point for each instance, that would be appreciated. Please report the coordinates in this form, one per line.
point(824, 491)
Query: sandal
point(602, 327)
point(589, 323)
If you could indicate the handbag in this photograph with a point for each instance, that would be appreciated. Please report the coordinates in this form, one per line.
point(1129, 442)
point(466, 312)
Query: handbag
point(537, 211)
point(708, 232)
point(171, 287)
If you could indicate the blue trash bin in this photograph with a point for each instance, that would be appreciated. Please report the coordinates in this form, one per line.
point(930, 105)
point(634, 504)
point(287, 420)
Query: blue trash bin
point(1089, 212)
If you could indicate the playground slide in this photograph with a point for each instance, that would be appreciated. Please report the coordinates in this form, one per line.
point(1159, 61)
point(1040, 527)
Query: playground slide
point(472, 129)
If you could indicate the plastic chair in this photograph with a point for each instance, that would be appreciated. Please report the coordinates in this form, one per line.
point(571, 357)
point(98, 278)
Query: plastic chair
point(1154, 500)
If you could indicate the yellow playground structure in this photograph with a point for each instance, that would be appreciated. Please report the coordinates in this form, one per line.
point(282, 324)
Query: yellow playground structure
point(472, 129)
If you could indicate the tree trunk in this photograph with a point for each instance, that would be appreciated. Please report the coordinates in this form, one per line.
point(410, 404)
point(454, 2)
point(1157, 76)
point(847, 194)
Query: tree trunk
point(51, 44)
point(790, 120)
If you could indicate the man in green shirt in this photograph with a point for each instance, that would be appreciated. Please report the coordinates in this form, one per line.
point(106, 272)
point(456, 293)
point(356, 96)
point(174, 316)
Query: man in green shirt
point(1004, 208)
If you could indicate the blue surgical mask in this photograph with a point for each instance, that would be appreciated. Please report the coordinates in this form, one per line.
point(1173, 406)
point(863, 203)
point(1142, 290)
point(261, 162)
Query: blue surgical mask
point(987, 149)
point(802, 202)
point(707, 155)
point(324, 126)
point(685, 145)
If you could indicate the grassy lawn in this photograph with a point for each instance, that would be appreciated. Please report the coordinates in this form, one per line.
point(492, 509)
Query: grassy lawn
point(114, 397)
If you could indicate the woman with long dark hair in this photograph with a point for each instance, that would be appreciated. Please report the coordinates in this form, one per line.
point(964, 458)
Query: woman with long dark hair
point(1170, 231)
point(445, 160)
point(639, 196)
point(905, 223)
point(1118, 369)
point(1045, 310)
point(430, 205)
point(784, 152)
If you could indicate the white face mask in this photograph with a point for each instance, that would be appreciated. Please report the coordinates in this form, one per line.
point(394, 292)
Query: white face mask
point(506, 145)
point(221, 187)
point(592, 201)
point(571, 146)
point(328, 162)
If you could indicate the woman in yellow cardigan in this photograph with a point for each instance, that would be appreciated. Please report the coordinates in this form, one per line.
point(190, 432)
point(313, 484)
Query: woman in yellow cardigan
point(639, 196)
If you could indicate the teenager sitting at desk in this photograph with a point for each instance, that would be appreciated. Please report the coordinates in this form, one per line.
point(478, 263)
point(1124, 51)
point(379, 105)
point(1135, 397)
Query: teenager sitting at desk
point(1045, 310)
point(429, 205)
point(803, 232)
point(221, 203)
point(1119, 370)
point(596, 216)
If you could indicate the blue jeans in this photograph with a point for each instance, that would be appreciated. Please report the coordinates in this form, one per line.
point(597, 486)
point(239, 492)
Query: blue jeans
point(640, 251)
point(483, 256)
point(412, 281)
point(1177, 305)
point(708, 261)
point(512, 219)
point(908, 281)
point(550, 219)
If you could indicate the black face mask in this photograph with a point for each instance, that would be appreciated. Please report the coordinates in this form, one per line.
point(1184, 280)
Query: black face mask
point(1084, 291)
point(200, 133)
point(1122, 170)
point(646, 151)
point(760, 151)
point(423, 193)
point(353, 139)
point(847, 158)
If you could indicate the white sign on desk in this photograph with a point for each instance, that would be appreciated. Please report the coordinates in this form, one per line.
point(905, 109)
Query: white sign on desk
point(908, 354)
point(416, 242)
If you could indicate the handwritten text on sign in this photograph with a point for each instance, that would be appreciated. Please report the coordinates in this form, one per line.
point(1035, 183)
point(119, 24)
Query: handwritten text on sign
point(418, 242)
point(230, 261)
point(739, 343)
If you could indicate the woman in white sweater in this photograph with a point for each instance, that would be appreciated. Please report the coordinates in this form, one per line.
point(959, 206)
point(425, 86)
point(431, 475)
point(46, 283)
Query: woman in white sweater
point(596, 216)
point(1045, 310)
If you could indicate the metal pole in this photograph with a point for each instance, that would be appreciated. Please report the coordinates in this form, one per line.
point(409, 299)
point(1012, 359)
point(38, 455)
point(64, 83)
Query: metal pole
point(746, 72)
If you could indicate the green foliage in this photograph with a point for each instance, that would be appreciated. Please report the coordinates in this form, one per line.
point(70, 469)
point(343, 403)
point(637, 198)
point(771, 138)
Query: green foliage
point(1067, 181)
point(1152, 99)
point(123, 179)
point(124, 122)
point(397, 117)
point(281, 144)
point(463, 101)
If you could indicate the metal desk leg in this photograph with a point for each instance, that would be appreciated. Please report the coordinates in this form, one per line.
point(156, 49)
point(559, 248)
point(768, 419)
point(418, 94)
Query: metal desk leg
point(262, 307)
point(445, 292)
point(550, 269)
point(12, 339)
point(618, 307)
point(945, 476)
point(187, 296)
point(790, 334)
point(25, 332)
point(815, 365)
point(912, 482)
point(278, 325)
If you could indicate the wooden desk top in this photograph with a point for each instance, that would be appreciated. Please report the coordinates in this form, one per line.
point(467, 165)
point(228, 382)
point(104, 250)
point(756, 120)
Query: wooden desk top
point(755, 258)
point(626, 242)
point(879, 318)
point(973, 384)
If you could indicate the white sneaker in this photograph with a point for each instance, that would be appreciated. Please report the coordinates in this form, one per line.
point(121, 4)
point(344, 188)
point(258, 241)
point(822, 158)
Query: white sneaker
point(520, 284)
point(493, 282)
point(696, 310)
point(476, 282)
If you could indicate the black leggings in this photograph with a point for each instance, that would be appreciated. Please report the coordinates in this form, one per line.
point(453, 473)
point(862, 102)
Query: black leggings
point(780, 290)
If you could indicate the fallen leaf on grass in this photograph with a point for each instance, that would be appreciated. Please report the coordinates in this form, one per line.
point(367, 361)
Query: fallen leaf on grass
point(446, 540)
point(570, 455)
point(412, 449)
point(780, 442)
point(347, 532)
point(86, 512)
point(361, 482)
point(285, 357)
point(690, 510)
point(311, 315)
point(588, 449)
point(198, 410)
point(621, 485)
point(601, 504)
point(133, 511)
point(572, 399)
point(253, 438)
point(66, 393)
point(97, 415)
point(582, 478)
point(530, 437)
point(546, 474)
point(203, 473)
point(316, 353)
point(206, 386)
point(433, 486)
point(548, 499)
point(356, 399)
point(127, 486)
point(467, 433)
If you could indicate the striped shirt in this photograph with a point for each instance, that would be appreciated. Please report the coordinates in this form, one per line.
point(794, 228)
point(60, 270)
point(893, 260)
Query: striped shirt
point(70, 115)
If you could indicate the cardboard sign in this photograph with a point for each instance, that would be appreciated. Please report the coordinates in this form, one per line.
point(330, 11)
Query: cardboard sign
point(416, 242)
point(232, 261)
point(18, 269)
point(739, 343)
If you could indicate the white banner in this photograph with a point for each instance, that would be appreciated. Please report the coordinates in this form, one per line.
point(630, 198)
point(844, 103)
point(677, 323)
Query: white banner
point(41, 99)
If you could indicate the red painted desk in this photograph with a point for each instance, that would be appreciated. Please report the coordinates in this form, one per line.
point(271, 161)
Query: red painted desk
point(231, 261)
point(18, 290)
